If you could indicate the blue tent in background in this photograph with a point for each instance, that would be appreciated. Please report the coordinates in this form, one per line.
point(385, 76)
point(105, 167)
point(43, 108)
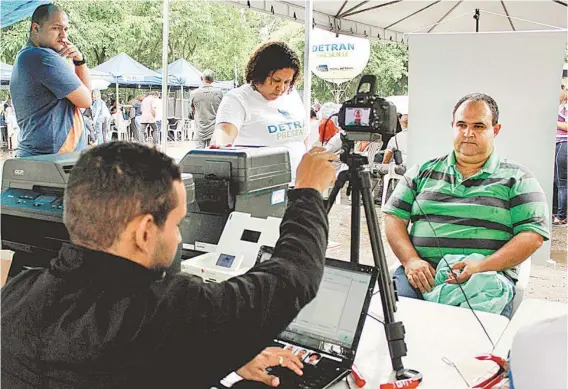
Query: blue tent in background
point(127, 72)
point(12, 11)
point(182, 73)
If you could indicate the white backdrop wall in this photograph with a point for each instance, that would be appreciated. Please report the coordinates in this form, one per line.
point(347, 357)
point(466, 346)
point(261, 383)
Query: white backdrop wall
point(520, 70)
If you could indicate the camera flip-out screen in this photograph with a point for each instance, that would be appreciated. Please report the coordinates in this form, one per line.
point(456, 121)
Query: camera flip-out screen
point(357, 116)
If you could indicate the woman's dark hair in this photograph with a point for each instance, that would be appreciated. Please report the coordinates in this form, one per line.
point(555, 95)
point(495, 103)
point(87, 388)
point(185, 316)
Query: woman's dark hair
point(269, 58)
point(313, 113)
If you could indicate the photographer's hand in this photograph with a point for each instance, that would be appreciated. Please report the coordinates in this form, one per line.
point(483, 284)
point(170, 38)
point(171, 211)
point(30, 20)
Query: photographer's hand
point(316, 170)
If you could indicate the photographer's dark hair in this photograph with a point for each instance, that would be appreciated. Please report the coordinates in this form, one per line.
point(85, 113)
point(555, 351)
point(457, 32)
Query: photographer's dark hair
point(269, 58)
point(113, 183)
point(480, 97)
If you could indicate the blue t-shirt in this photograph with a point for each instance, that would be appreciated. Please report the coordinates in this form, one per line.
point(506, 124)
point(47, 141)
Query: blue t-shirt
point(49, 123)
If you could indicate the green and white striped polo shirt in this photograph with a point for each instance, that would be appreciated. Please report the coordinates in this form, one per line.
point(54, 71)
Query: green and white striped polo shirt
point(475, 215)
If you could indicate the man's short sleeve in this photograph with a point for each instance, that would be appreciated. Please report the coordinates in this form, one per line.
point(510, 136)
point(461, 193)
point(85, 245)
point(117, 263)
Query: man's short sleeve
point(231, 111)
point(401, 200)
point(55, 74)
point(529, 209)
point(391, 144)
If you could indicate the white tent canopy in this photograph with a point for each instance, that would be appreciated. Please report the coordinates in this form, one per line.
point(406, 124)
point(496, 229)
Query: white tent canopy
point(392, 19)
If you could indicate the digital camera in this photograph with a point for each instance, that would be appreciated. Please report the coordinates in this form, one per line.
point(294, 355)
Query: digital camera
point(367, 116)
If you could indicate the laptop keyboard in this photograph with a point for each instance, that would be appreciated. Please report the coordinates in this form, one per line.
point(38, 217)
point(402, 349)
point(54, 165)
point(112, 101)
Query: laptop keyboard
point(311, 379)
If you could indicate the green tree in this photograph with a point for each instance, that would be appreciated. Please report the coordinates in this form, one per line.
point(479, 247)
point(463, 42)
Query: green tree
point(207, 34)
point(216, 36)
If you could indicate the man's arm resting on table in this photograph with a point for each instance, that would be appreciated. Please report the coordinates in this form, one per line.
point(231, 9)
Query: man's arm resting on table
point(513, 253)
point(420, 273)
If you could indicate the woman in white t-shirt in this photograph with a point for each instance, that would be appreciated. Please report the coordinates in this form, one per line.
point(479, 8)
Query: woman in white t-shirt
point(266, 111)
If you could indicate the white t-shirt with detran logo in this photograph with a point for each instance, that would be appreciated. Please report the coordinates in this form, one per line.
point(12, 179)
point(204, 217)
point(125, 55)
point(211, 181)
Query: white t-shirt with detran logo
point(261, 122)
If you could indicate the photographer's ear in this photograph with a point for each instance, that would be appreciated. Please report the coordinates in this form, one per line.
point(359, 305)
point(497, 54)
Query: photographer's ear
point(144, 233)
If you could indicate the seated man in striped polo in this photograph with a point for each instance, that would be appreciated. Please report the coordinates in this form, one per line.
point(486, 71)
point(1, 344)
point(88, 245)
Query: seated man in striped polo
point(470, 201)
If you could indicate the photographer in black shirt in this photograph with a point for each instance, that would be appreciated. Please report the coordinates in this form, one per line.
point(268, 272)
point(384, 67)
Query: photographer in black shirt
point(106, 315)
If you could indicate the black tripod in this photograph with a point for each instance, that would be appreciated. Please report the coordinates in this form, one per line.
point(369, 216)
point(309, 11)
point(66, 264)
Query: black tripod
point(359, 179)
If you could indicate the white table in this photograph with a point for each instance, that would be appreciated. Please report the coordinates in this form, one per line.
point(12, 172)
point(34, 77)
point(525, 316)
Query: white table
point(530, 311)
point(433, 331)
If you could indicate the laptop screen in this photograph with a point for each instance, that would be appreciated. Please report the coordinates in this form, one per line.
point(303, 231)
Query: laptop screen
point(333, 320)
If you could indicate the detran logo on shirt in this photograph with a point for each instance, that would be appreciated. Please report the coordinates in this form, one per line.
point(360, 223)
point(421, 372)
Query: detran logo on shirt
point(286, 130)
point(286, 114)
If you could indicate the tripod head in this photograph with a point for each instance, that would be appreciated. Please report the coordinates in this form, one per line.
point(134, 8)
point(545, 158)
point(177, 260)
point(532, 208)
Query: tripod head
point(349, 156)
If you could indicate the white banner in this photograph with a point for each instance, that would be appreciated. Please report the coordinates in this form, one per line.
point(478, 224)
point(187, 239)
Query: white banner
point(337, 58)
point(133, 78)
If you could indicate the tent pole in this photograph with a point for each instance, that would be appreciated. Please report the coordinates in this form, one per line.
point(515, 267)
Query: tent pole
point(309, 12)
point(236, 82)
point(165, 32)
point(116, 79)
point(182, 117)
point(476, 17)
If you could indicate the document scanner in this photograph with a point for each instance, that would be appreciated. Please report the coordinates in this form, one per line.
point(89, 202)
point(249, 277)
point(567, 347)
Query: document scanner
point(249, 180)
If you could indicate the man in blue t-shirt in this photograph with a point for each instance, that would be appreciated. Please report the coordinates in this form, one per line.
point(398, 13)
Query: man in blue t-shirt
point(47, 91)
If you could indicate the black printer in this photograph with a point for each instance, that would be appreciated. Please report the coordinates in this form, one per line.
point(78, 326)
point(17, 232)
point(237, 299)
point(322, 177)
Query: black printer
point(31, 208)
point(252, 180)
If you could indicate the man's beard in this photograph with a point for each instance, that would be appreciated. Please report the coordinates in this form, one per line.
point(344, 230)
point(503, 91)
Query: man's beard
point(160, 258)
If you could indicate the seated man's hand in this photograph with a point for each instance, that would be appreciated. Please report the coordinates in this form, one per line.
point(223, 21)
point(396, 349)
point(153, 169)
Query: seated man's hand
point(464, 270)
point(420, 274)
point(316, 170)
point(270, 356)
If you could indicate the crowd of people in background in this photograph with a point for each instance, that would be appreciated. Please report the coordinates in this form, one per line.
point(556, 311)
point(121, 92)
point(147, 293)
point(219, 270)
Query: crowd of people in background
point(266, 111)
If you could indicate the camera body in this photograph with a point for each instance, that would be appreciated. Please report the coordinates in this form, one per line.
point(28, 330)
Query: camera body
point(366, 117)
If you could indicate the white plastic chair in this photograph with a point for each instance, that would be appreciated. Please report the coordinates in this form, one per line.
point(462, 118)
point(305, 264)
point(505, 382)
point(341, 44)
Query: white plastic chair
point(522, 283)
point(177, 129)
point(391, 175)
point(121, 127)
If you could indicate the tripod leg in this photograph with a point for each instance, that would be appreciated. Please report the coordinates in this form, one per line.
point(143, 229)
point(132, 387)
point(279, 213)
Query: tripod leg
point(342, 178)
point(394, 331)
point(355, 216)
point(377, 244)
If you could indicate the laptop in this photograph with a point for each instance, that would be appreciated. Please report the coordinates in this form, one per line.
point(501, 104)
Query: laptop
point(326, 332)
